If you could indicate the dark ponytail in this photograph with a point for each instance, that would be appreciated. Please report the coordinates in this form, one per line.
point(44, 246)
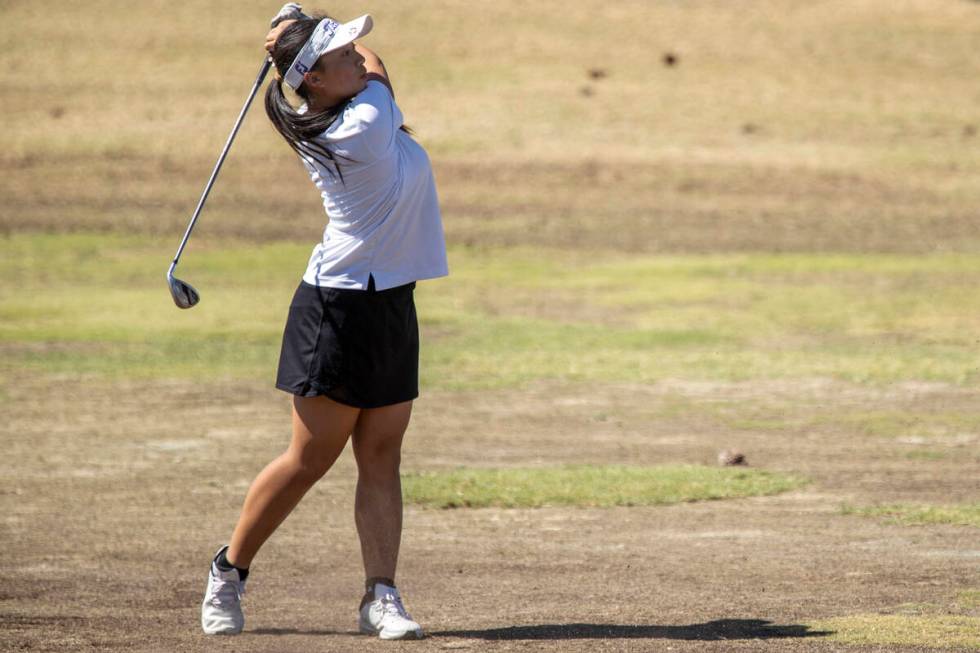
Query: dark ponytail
point(299, 129)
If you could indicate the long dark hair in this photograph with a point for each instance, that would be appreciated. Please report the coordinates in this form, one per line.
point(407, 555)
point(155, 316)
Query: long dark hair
point(300, 129)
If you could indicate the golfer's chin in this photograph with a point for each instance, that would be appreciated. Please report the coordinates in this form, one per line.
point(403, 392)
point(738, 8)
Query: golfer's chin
point(357, 87)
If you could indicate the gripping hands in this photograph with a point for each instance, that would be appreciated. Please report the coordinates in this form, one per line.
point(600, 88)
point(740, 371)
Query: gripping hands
point(289, 11)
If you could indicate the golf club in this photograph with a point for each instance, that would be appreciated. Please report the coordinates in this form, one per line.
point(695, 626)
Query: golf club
point(183, 293)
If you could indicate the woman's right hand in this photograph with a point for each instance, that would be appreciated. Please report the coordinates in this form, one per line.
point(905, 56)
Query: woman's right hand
point(270, 38)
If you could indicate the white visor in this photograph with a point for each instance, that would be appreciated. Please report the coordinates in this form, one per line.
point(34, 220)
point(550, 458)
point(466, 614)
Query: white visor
point(329, 35)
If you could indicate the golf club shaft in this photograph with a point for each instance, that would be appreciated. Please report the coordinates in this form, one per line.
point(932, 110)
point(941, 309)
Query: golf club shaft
point(266, 64)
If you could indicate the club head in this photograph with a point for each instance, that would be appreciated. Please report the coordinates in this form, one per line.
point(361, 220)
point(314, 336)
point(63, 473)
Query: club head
point(183, 293)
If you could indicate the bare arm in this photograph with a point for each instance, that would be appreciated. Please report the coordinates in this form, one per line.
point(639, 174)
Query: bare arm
point(375, 67)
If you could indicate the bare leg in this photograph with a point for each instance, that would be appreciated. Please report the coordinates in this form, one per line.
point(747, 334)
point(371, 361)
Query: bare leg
point(377, 446)
point(321, 427)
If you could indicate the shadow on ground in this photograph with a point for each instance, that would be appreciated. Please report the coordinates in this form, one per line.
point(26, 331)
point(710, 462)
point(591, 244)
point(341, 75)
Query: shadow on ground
point(721, 629)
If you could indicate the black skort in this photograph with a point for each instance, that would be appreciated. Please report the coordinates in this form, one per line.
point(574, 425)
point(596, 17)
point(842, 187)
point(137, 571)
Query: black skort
point(357, 347)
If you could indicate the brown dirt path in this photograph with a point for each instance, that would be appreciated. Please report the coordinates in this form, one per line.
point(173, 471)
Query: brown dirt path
point(116, 494)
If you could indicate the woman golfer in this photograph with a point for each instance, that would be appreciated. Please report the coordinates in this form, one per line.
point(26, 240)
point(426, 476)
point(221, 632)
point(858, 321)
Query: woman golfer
point(350, 348)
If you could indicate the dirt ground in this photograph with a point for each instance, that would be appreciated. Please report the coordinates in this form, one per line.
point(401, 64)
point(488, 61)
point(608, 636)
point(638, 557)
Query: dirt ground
point(116, 495)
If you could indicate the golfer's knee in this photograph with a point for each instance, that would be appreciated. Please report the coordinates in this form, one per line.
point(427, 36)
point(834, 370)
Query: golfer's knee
point(309, 468)
point(378, 457)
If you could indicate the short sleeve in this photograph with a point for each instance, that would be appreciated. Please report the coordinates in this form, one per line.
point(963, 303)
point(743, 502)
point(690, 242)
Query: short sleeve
point(368, 126)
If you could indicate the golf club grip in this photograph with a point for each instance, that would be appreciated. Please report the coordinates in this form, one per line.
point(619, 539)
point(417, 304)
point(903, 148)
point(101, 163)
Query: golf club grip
point(266, 64)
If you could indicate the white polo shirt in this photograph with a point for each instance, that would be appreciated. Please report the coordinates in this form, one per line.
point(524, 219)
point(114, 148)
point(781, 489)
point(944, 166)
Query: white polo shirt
point(384, 216)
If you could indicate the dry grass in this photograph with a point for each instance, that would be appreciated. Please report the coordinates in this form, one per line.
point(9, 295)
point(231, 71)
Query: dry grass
point(934, 631)
point(827, 126)
point(961, 515)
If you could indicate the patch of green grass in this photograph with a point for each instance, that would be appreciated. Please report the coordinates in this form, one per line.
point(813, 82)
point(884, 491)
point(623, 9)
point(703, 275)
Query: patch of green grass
point(747, 316)
point(893, 423)
point(934, 631)
point(589, 486)
point(926, 454)
point(99, 304)
point(105, 308)
point(968, 599)
point(967, 514)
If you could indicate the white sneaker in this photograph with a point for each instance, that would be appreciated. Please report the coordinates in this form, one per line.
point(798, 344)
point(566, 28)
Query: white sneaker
point(221, 612)
point(386, 617)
